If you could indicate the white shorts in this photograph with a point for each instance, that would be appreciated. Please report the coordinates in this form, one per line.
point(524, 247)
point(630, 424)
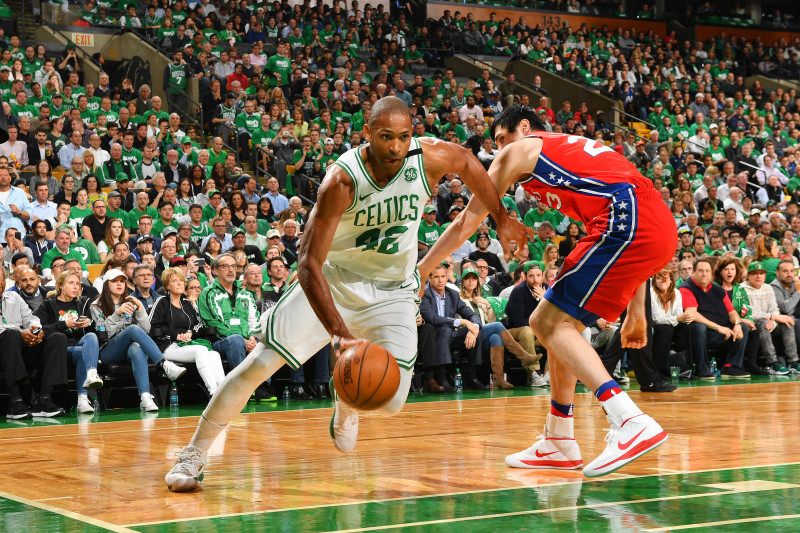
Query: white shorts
point(382, 312)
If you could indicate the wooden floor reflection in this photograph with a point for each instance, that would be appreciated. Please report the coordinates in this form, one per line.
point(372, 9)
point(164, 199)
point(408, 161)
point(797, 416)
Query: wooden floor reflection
point(268, 461)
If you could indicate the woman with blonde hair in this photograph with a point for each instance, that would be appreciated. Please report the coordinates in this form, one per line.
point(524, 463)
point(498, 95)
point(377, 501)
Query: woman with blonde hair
point(550, 256)
point(92, 169)
point(67, 312)
point(492, 332)
point(179, 332)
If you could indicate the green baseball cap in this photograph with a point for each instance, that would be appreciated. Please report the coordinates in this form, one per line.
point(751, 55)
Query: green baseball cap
point(756, 266)
point(468, 271)
point(237, 231)
point(429, 209)
point(212, 192)
point(658, 104)
point(186, 140)
point(533, 264)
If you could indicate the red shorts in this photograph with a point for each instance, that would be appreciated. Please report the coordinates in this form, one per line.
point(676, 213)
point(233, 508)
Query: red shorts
point(604, 271)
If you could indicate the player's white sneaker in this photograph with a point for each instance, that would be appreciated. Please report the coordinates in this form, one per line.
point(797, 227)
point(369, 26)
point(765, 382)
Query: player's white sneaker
point(84, 405)
point(93, 381)
point(188, 470)
point(555, 449)
point(344, 423)
point(626, 440)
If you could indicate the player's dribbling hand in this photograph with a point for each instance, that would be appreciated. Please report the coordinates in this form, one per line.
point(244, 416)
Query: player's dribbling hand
point(511, 229)
point(344, 343)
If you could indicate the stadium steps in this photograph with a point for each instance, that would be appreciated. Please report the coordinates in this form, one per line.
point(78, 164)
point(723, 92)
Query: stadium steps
point(26, 26)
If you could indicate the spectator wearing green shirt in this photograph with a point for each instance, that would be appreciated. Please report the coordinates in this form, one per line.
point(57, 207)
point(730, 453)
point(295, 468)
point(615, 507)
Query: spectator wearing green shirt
point(429, 230)
point(248, 122)
point(304, 161)
point(535, 217)
point(540, 241)
point(216, 154)
point(142, 208)
point(452, 124)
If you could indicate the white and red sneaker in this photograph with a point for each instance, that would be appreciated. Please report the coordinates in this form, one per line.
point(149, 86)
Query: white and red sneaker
point(555, 449)
point(628, 440)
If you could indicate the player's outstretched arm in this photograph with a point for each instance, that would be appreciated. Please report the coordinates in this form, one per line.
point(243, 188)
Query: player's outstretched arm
point(508, 167)
point(334, 197)
point(444, 157)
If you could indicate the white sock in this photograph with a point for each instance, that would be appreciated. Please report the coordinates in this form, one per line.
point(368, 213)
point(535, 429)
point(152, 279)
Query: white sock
point(233, 393)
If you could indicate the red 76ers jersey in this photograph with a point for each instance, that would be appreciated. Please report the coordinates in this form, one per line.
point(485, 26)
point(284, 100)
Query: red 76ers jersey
point(580, 177)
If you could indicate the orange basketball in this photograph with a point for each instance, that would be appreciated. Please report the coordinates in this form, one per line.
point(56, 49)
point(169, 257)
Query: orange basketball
point(366, 377)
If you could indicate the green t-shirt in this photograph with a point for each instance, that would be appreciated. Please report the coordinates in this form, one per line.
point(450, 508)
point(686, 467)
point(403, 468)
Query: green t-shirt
point(159, 226)
point(134, 215)
point(533, 219)
point(87, 250)
point(428, 234)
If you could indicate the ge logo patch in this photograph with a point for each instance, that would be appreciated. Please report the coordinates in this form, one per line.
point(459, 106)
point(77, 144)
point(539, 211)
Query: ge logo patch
point(411, 174)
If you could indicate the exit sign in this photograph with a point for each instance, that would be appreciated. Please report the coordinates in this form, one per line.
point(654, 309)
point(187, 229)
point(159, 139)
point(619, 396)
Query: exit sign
point(83, 39)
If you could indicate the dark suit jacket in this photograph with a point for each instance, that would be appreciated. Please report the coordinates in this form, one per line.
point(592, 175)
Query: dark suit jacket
point(34, 156)
point(453, 306)
point(520, 305)
point(174, 176)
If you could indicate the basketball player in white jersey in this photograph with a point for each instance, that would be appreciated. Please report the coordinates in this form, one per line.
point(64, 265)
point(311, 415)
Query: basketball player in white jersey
point(357, 272)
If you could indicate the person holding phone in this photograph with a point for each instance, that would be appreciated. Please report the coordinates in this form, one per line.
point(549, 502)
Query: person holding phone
point(68, 312)
point(127, 326)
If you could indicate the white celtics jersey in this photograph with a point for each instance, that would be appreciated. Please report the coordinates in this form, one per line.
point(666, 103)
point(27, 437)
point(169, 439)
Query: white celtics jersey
point(377, 235)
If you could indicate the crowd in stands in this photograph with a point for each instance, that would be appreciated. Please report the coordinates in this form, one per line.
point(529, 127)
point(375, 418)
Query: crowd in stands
point(192, 249)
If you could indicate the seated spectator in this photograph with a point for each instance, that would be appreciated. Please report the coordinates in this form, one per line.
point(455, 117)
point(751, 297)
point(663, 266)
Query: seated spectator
point(770, 322)
point(482, 242)
point(787, 292)
point(26, 284)
point(127, 328)
point(37, 242)
point(439, 306)
point(115, 232)
point(179, 332)
point(231, 309)
point(143, 280)
point(25, 348)
point(67, 313)
point(667, 310)
point(713, 322)
point(62, 248)
point(524, 299)
point(493, 333)
point(728, 274)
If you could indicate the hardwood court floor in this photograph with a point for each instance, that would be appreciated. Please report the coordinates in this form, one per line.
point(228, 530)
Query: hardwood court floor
point(731, 461)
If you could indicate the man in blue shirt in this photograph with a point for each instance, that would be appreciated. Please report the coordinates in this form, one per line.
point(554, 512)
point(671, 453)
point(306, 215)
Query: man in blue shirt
point(279, 202)
point(14, 207)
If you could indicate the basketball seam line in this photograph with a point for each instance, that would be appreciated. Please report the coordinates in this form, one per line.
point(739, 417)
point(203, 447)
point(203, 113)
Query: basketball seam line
point(383, 378)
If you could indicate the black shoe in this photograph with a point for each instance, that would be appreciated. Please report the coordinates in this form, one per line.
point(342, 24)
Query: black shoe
point(264, 393)
point(45, 408)
point(755, 370)
point(686, 375)
point(734, 372)
point(298, 392)
point(659, 386)
point(320, 391)
point(18, 410)
point(475, 385)
point(447, 387)
point(706, 375)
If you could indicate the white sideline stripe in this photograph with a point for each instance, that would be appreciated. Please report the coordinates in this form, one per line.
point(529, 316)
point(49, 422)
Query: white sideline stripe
point(605, 479)
point(69, 514)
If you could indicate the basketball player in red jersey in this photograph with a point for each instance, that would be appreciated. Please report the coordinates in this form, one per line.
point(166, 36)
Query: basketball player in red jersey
point(628, 241)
